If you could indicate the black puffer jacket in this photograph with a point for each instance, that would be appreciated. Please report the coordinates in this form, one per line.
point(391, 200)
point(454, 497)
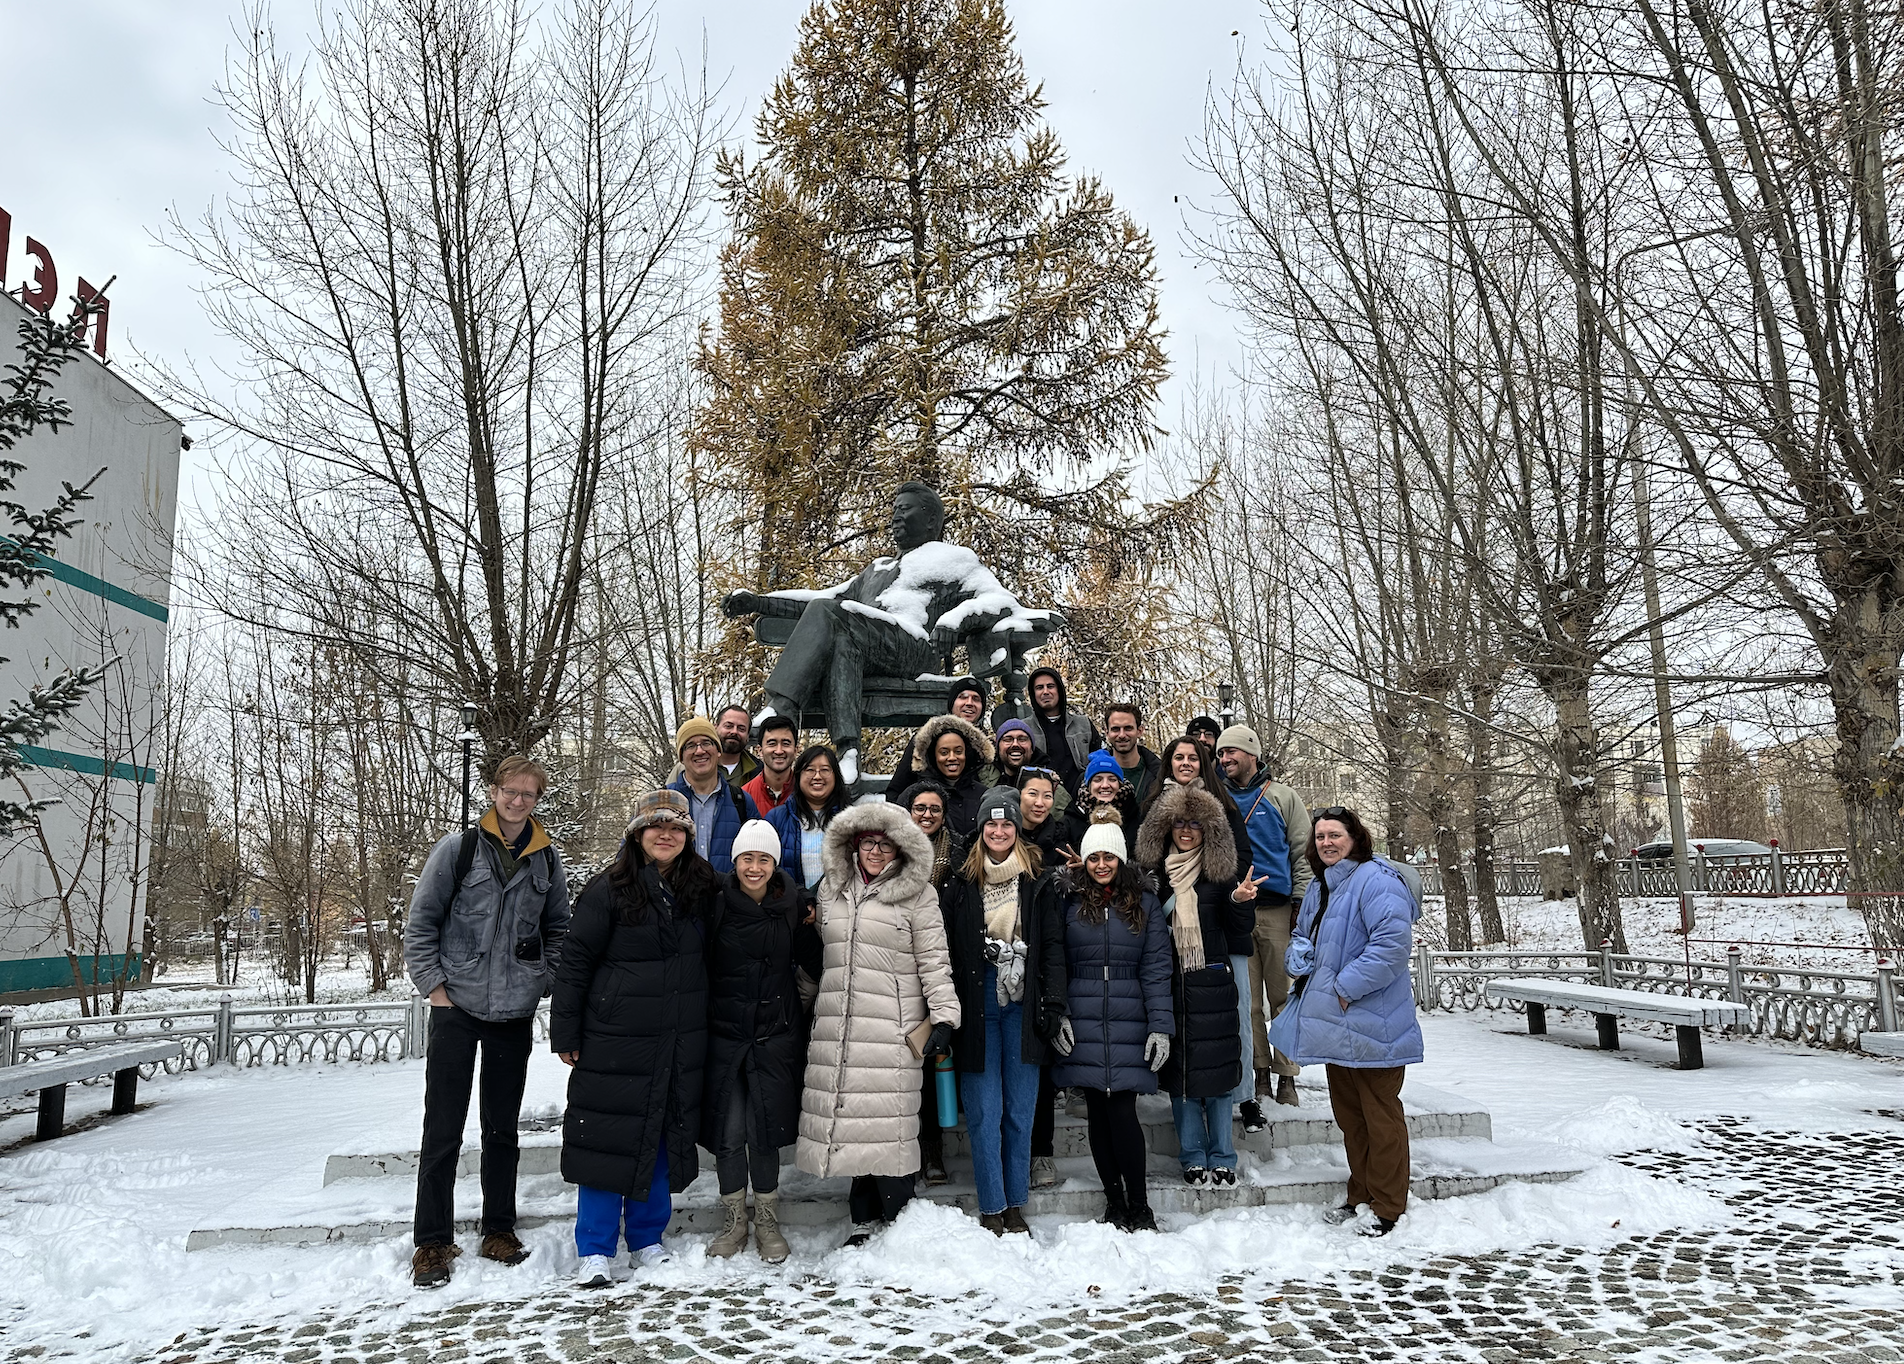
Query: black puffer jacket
point(754, 1020)
point(632, 999)
point(1206, 1060)
point(962, 901)
point(1118, 990)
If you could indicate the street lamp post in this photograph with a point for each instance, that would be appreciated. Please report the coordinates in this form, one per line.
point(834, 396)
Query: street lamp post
point(468, 740)
point(1226, 703)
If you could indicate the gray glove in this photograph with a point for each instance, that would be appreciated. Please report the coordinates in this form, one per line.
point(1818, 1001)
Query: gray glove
point(1157, 1050)
point(1066, 1040)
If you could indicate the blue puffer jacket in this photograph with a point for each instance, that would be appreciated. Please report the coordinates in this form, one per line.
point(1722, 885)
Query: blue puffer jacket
point(1361, 956)
point(734, 808)
point(1119, 993)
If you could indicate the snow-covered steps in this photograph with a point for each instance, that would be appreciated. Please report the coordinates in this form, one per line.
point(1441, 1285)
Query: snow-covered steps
point(1432, 1113)
point(1318, 1174)
point(1882, 1043)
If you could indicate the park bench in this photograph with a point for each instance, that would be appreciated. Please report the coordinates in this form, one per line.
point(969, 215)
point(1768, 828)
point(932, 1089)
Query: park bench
point(1608, 1006)
point(50, 1077)
point(907, 703)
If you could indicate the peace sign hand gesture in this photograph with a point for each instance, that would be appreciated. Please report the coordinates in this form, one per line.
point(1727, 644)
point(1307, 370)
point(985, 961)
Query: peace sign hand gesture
point(1246, 888)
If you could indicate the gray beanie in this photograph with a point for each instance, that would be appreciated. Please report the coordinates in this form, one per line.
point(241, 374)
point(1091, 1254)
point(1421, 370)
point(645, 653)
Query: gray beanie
point(1240, 736)
point(1001, 802)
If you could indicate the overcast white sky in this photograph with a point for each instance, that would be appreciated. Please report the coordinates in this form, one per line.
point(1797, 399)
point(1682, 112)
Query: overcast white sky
point(109, 120)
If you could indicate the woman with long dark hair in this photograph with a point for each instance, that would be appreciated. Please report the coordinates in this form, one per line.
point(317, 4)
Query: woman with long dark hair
point(1120, 1020)
point(629, 1014)
point(1352, 1007)
point(758, 942)
point(818, 795)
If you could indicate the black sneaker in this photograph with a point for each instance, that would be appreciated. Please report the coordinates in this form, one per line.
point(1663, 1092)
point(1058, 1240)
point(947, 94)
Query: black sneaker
point(1195, 1176)
point(1221, 1178)
point(1253, 1119)
point(1381, 1226)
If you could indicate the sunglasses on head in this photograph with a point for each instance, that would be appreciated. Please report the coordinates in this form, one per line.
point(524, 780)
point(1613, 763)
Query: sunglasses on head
point(1329, 812)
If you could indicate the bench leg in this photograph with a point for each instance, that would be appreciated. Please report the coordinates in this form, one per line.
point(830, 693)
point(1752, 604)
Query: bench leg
point(52, 1113)
point(1536, 1020)
point(1609, 1026)
point(1692, 1054)
point(125, 1089)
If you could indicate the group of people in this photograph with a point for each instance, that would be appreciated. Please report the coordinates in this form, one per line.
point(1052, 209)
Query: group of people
point(1040, 907)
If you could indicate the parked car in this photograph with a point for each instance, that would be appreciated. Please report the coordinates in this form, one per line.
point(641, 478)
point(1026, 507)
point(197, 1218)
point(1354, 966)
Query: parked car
point(1662, 849)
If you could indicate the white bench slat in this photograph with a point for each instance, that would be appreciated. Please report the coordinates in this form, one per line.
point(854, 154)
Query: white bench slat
point(85, 1064)
point(1678, 1010)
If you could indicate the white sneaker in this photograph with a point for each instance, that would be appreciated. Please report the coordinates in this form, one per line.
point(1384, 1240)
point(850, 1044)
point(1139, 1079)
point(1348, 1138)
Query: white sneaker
point(649, 1256)
point(596, 1272)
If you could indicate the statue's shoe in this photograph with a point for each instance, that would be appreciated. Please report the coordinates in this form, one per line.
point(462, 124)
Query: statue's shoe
point(849, 765)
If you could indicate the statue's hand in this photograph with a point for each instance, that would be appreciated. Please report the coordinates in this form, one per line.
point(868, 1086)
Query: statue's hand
point(740, 603)
point(945, 636)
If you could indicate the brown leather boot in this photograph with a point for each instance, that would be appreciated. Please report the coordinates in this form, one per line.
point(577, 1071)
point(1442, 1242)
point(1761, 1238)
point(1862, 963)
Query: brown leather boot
point(994, 1222)
point(504, 1248)
point(430, 1266)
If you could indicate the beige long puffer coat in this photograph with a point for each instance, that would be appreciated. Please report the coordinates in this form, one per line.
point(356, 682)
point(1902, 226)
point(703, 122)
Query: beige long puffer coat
point(886, 970)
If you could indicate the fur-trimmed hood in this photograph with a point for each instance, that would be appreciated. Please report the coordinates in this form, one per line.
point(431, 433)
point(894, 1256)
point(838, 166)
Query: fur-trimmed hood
point(1176, 802)
point(901, 881)
point(978, 748)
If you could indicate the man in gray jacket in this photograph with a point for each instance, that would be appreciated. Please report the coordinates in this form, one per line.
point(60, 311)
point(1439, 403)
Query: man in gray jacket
point(489, 914)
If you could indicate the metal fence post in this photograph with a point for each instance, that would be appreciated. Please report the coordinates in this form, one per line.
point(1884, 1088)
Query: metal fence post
point(1778, 869)
point(1735, 978)
point(221, 1035)
point(6, 1037)
point(1424, 976)
point(1606, 963)
point(1701, 880)
point(416, 1030)
point(1887, 997)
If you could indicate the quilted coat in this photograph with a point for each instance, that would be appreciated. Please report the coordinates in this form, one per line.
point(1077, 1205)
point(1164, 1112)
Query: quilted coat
point(884, 971)
point(1119, 993)
point(1361, 956)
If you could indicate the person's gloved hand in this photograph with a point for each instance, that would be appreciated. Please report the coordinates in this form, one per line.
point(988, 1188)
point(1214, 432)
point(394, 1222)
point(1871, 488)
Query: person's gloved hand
point(1064, 1040)
point(939, 1043)
point(1157, 1050)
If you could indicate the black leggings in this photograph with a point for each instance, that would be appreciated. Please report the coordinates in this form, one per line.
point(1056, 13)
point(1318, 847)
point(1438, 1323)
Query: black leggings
point(878, 1198)
point(1043, 1120)
point(735, 1156)
point(1117, 1143)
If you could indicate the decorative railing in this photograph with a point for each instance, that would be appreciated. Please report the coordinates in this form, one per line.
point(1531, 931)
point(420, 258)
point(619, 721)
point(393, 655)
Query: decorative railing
point(1821, 871)
point(243, 1035)
point(1793, 1003)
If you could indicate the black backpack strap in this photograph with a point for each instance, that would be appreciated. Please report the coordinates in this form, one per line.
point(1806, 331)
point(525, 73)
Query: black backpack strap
point(740, 802)
point(465, 859)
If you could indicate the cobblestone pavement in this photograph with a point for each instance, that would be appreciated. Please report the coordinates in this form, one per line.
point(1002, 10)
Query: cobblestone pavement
point(1812, 1270)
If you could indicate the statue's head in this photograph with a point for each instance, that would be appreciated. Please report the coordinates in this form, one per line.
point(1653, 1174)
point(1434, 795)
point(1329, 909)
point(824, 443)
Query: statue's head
point(917, 516)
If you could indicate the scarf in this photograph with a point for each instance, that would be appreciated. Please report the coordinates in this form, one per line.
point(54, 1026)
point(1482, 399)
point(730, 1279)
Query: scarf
point(1001, 896)
point(1186, 931)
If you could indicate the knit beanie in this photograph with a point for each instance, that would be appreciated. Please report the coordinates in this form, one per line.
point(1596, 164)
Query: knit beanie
point(1105, 762)
point(1001, 802)
point(757, 835)
point(695, 727)
point(1018, 725)
point(1240, 736)
point(1104, 835)
point(962, 685)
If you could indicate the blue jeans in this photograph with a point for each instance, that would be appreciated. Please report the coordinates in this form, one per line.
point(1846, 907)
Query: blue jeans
point(601, 1215)
point(999, 1105)
point(1246, 1087)
point(1203, 1133)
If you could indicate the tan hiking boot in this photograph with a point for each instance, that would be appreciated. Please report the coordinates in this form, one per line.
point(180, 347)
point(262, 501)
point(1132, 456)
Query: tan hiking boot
point(733, 1237)
point(504, 1248)
point(430, 1266)
point(1286, 1091)
point(773, 1246)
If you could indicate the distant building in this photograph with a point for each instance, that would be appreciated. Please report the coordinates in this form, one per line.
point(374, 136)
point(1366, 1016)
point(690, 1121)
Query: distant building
point(76, 894)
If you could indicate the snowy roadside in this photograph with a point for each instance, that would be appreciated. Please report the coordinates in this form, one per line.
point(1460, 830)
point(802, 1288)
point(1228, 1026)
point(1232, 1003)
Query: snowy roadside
point(98, 1220)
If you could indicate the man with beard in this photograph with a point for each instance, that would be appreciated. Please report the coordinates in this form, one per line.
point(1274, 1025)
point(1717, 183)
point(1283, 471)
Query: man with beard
point(738, 766)
point(1064, 739)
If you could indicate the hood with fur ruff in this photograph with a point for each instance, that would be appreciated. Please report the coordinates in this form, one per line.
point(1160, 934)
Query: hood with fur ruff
point(978, 748)
point(900, 882)
point(1188, 802)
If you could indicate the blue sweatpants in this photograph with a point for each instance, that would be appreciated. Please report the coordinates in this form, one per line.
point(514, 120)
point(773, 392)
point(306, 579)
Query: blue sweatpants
point(600, 1215)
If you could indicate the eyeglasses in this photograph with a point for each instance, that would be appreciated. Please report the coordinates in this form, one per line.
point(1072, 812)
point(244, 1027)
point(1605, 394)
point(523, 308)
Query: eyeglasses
point(699, 746)
point(509, 793)
point(1038, 772)
point(1187, 826)
point(878, 845)
point(928, 808)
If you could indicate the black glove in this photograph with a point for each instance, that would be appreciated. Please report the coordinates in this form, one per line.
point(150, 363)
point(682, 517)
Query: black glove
point(940, 1042)
point(1049, 1017)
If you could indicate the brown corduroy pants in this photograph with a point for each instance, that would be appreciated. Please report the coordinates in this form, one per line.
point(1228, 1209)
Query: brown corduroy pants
point(1368, 1109)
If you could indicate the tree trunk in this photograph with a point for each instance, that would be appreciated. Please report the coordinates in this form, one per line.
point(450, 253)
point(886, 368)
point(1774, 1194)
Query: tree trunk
point(1440, 809)
point(1481, 755)
point(1391, 733)
point(1868, 765)
point(1584, 816)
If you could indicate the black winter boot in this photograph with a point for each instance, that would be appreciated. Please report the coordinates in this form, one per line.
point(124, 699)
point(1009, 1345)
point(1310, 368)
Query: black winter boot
point(1141, 1218)
point(1116, 1211)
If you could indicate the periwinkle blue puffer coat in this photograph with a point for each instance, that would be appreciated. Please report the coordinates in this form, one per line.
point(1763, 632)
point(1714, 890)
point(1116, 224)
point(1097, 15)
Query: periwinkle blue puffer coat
point(1361, 956)
point(1119, 993)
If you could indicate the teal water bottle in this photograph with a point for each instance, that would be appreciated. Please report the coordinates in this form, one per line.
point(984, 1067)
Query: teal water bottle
point(948, 1095)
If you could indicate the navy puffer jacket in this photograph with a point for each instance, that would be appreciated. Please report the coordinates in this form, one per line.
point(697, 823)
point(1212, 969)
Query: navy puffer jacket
point(1119, 992)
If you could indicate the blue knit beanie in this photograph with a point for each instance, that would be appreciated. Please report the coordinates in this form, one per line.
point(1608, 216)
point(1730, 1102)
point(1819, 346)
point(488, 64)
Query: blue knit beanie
point(1102, 761)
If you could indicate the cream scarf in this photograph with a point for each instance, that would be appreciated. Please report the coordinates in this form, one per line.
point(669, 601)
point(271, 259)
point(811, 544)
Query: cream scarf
point(1183, 868)
point(1001, 895)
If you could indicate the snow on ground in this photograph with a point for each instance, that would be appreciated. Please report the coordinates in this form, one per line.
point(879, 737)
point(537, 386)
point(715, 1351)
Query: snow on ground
point(1822, 923)
point(97, 1221)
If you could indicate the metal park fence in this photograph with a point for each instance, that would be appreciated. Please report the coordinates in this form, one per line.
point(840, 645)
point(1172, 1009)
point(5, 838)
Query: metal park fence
point(1818, 871)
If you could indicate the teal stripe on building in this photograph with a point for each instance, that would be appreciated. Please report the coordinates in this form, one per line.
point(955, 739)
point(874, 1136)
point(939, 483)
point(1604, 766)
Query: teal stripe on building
point(85, 762)
point(99, 587)
point(52, 973)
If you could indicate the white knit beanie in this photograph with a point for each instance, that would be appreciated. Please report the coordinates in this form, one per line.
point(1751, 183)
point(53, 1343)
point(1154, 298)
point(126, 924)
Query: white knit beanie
point(757, 835)
point(1106, 837)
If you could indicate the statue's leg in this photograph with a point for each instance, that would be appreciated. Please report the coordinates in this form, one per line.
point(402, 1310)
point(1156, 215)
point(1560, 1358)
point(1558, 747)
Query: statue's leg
point(798, 677)
point(862, 645)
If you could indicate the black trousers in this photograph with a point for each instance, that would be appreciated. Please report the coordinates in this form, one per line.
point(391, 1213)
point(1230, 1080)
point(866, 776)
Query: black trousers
point(1043, 1119)
point(448, 1076)
point(1117, 1143)
point(736, 1156)
point(878, 1198)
